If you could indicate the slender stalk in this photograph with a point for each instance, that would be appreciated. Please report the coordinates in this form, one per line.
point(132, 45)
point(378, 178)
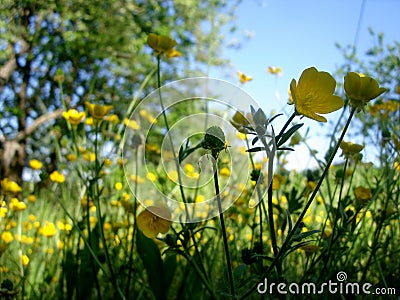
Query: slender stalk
point(133, 231)
point(299, 220)
point(278, 137)
point(261, 204)
point(96, 198)
point(178, 170)
point(224, 237)
point(272, 228)
point(336, 215)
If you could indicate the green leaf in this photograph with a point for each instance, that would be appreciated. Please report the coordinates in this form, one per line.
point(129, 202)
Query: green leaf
point(303, 235)
point(288, 134)
point(256, 149)
point(285, 148)
point(169, 270)
point(151, 257)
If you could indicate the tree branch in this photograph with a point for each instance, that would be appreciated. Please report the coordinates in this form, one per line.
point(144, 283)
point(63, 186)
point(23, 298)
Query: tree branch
point(37, 123)
point(9, 67)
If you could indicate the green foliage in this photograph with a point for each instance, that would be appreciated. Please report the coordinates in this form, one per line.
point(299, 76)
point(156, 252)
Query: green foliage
point(97, 50)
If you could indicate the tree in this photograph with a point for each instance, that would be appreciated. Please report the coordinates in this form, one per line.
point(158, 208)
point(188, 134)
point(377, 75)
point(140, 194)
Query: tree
point(97, 50)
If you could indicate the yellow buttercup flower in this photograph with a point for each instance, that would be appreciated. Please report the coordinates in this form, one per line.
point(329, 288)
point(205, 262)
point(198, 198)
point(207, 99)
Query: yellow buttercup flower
point(154, 220)
point(225, 172)
point(73, 116)
point(7, 237)
point(98, 111)
point(362, 195)
point(57, 177)
point(24, 260)
point(313, 94)
point(274, 70)
point(244, 78)
point(162, 44)
point(173, 53)
point(349, 149)
point(3, 212)
point(240, 122)
point(132, 124)
point(118, 186)
point(112, 118)
point(48, 230)
point(10, 187)
point(17, 205)
point(361, 89)
point(310, 249)
point(35, 164)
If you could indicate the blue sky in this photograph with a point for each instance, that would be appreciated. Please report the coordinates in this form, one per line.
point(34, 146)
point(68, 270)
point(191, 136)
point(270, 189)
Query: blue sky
point(295, 35)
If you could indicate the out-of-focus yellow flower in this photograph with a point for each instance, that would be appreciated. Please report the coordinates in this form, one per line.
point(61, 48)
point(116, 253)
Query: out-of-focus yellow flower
point(63, 226)
point(154, 220)
point(274, 70)
point(145, 114)
point(35, 164)
point(3, 212)
point(17, 205)
point(173, 53)
point(10, 187)
point(24, 260)
point(244, 78)
point(310, 249)
point(310, 187)
point(131, 124)
point(31, 198)
point(118, 186)
point(71, 157)
point(57, 177)
point(277, 181)
point(362, 195)
point(112, 118)
point(89, 121)
point(108, 162)
point(32, 217)
point(313, 94)
point(73, 116)
point(361, 89)
point(7, 237)
point(137, 179)
point(48, 230)
point(26, 240)
point(89, 156)
point(240, 122)
point(98, 111)
point(162, 44)
point(225, 172)
point(84, 202)
point(150, 176)
point(350, 149)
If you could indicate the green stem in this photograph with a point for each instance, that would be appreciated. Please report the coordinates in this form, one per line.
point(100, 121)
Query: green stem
point(178, 170)
point(278, 137)
point(224, 237)
point(272, 228)
point(299, 220)
point(336, 216)
point(96, 198)
point(134, 229)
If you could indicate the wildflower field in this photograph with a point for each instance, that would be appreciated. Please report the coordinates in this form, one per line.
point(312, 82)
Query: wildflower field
point(188, 194)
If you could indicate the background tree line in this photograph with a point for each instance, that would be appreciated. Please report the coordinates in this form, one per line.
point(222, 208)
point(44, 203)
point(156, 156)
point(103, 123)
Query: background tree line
point(97, 50)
